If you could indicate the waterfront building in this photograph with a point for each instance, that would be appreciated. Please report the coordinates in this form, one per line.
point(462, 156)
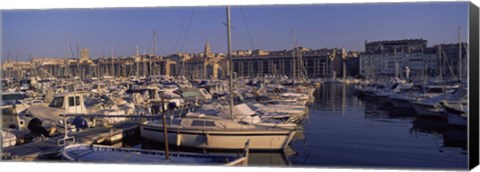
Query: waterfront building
point(313, 63)
point(84, 67)
point(353, 63)
point(391, 58)
point(202, 66)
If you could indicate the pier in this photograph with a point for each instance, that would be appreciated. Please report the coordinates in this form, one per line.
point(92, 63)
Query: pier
point(48, 148)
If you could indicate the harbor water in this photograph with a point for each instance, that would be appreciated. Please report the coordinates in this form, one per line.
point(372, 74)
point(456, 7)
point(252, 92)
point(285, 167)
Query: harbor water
point(343, 130)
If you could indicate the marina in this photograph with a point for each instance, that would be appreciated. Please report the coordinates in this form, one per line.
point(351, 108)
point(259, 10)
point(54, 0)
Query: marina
point(339, 128)
point(396, 104)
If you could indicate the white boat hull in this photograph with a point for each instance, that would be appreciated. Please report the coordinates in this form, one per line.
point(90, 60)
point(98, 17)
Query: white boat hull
point(214, 139)
point(427, 110)
point(8, 139)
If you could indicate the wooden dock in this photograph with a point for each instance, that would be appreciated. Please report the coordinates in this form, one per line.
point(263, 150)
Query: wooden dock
point(48, 148)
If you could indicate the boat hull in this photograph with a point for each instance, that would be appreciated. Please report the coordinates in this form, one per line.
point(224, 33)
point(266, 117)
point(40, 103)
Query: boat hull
point(108, 154)
point(427, 110)
point(455, 117)
point(8, 139)
point(222, 140)
point(401, 103)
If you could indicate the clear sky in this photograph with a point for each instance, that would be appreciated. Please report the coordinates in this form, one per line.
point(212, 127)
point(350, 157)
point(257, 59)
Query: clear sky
point(43, 33)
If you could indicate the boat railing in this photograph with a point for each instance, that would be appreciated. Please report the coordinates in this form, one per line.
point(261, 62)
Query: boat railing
point(66, 140)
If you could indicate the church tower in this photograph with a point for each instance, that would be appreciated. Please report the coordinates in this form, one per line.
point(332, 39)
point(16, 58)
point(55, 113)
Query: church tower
point(207, 51)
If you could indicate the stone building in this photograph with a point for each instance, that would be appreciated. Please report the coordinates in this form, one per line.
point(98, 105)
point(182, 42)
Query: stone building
point(313, 63)
point(391, 58)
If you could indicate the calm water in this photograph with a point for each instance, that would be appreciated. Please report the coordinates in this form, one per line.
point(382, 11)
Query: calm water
point(344, 131)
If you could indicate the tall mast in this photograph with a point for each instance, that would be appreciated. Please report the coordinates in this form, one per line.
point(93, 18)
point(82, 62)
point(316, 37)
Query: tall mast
point(294, 60)
point(459, 55)
point(137, 59)
point(113, 70)
point(440, 62)
point(154, 51)
point(230, 63)
point(154, 42)
point(78, 61)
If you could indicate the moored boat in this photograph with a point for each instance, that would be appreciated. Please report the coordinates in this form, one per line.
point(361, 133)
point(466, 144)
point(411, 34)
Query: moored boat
point(8, 139)
point(218, 134)
point(108, 154)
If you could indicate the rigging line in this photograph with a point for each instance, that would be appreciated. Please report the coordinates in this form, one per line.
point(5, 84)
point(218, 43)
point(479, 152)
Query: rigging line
point(449, 65)
point(181, 30)
point(187, 29)
point(248, 29)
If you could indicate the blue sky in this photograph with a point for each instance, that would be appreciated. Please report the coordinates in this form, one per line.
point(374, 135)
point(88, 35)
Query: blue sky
point(43, 33)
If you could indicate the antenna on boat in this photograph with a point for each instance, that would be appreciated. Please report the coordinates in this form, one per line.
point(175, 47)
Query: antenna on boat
point(230, 63)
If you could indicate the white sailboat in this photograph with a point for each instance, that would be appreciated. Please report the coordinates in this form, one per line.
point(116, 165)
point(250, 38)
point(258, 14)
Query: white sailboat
point(217, 132)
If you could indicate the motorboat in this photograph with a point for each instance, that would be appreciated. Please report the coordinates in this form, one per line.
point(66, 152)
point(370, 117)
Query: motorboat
point(8, 139)
point(456, 112)
point(81, 103)
point(432, 106)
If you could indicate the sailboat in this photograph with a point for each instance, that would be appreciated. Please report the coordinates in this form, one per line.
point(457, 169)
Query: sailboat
point(219, 133)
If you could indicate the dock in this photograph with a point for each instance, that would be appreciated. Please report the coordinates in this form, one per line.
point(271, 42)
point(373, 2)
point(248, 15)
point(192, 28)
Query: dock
point(48, 148)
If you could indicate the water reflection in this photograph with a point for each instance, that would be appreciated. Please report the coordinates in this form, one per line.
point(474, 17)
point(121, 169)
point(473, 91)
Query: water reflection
point(255, 158)
point(276, 159)
point(335, 97)
point(452, 136)
point(345, 129)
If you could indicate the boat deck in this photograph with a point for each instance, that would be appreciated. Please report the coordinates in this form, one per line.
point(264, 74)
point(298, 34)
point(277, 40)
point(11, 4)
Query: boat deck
point(48, 148)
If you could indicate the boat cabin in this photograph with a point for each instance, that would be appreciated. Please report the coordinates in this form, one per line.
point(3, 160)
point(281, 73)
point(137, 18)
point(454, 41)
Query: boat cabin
point(99, 87)
point(71, 102)
point(12, 120)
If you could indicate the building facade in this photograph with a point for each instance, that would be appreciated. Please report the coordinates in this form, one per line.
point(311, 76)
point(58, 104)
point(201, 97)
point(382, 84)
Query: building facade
point(393, 58)
point(311, 63)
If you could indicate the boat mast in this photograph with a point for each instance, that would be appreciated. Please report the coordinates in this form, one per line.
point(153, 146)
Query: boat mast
point(294, 60)
point(440, 62)
point(459, 55)
point(230, 63)
point(113, 69)
point(165, 132)
point(152, 71)
point(137, 60)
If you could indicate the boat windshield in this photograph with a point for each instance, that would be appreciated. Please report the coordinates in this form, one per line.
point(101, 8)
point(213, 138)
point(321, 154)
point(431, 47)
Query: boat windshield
point(202, 123)
point(57, 102)
point(394, 86)
point(7, 111)
point(25, 81)
point(435, 90)
point(14, 96)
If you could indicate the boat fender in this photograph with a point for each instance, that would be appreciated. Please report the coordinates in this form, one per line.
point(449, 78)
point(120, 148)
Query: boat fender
point(179, 139)
point(172, 105)
point(35, 127)
point(207, 136)
point(80, 123)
